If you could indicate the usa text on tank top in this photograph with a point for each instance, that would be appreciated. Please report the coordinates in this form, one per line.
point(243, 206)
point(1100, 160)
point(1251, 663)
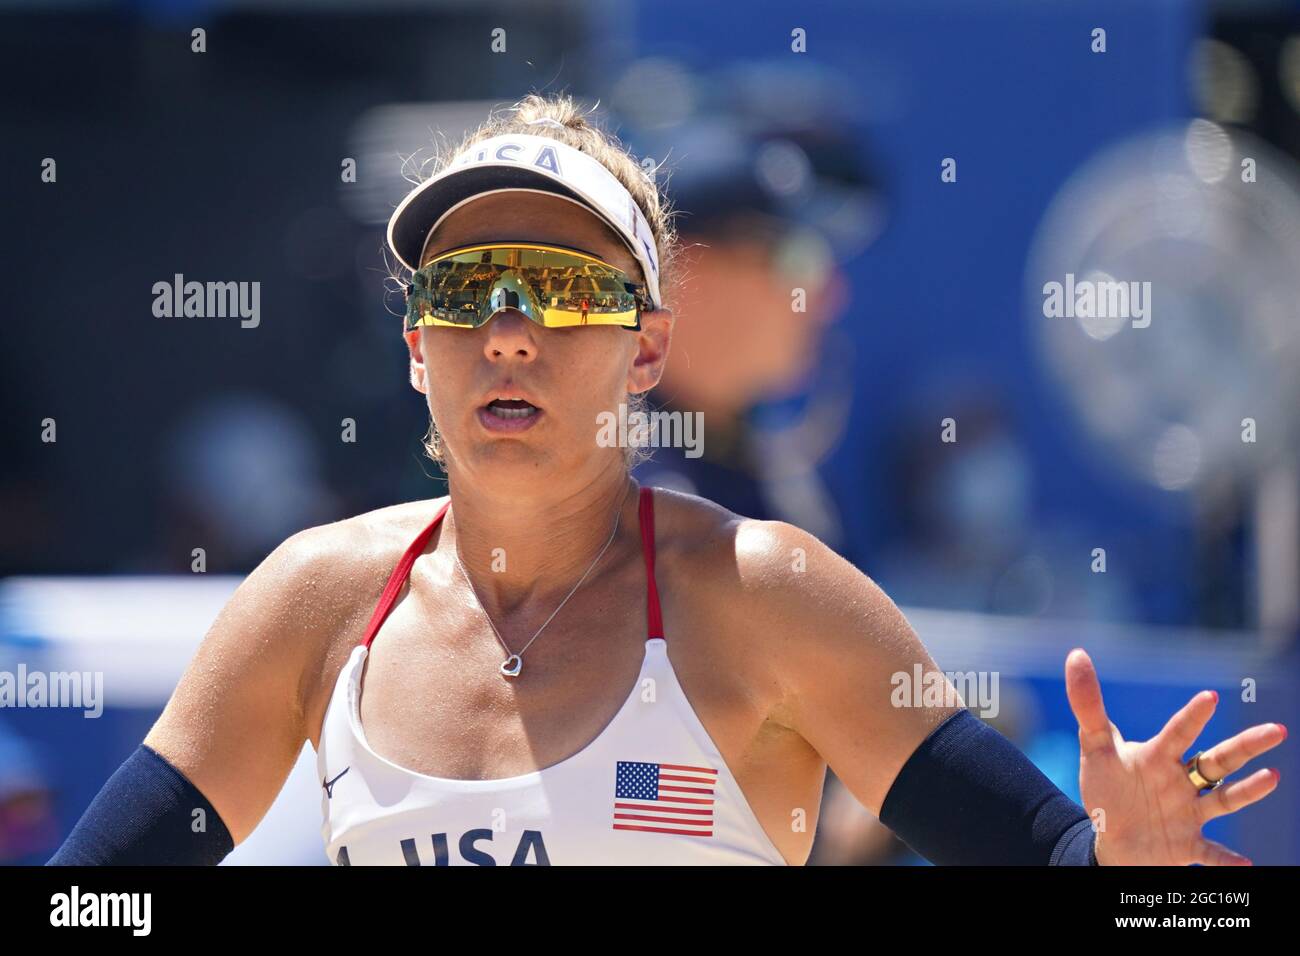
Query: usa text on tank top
point(651, 789)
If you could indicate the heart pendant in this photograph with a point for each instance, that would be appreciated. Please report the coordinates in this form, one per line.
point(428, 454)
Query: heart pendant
point(512, 665)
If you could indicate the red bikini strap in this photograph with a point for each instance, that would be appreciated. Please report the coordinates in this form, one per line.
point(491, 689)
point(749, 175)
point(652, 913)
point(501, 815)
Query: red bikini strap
point(398, 577)
point(654, 617)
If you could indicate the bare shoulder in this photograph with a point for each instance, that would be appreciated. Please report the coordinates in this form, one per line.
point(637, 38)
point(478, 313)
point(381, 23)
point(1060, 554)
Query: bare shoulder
point(322, 584)
point(254, 689)
point(820, 646)
point(778, 600)
point(329, 566)
point(296, 616)
point(759, 567)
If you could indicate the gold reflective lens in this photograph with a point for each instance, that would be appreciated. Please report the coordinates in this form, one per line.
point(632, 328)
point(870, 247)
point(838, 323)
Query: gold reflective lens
point(553, 286)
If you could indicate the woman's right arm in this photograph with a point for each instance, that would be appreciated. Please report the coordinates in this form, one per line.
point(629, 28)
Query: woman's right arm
point(236, 722)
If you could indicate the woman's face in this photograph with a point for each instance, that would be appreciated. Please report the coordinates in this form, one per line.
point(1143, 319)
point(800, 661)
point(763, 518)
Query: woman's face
point(571, 375)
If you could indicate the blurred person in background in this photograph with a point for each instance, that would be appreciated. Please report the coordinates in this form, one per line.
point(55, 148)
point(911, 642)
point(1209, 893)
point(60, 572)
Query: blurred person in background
point(771, 200)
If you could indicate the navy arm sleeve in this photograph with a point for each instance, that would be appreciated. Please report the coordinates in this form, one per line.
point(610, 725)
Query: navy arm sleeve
point(144, 816)
point(968, 796)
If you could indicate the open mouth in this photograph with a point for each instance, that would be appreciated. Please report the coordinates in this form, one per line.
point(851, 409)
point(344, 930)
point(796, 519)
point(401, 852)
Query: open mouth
point(510, 409)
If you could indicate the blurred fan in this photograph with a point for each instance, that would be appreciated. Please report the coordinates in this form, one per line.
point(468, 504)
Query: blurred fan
point(1176, 208)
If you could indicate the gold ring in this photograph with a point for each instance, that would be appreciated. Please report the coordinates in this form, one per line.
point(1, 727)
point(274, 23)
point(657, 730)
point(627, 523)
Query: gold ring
point(1193, 768)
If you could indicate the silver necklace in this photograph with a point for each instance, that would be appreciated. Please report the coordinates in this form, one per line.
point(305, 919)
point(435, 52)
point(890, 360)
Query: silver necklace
point(514, 662)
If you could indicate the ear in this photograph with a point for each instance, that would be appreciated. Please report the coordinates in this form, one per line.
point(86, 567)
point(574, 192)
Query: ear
point(652, 345)
point(419, 373)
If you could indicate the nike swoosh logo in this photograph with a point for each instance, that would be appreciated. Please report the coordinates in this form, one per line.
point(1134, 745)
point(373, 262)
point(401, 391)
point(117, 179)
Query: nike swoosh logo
point(329, 784)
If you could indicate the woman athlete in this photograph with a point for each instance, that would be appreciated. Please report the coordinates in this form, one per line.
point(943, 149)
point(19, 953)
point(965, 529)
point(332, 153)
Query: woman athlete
point(552, 665)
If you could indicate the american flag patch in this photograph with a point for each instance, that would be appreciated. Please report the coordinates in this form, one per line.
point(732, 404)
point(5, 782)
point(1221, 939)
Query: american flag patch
point(664, 798)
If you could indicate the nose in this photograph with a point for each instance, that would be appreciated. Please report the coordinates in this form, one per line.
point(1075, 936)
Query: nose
point(509, 333)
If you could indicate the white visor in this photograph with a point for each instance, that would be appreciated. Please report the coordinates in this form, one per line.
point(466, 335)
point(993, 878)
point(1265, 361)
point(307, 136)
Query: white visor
point(525, 162)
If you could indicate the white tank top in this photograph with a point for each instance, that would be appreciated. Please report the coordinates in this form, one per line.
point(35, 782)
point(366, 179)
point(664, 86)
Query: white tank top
point(651, 789)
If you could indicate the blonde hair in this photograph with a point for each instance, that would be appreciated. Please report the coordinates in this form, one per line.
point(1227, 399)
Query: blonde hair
point(559, 116)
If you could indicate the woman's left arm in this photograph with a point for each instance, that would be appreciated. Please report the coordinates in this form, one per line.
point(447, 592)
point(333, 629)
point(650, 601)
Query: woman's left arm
point(859, 686)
